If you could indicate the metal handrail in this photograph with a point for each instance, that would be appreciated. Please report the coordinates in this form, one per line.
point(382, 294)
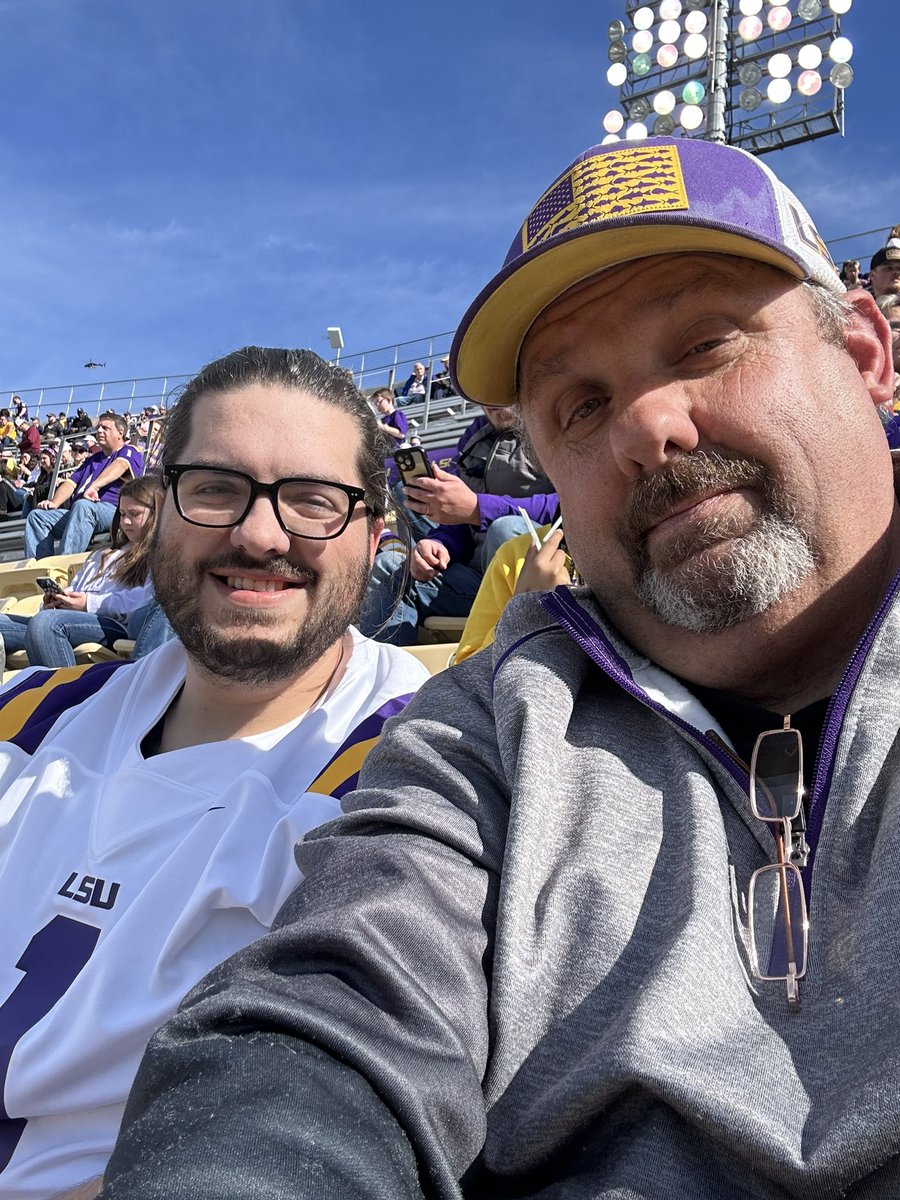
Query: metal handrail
point(385, 366)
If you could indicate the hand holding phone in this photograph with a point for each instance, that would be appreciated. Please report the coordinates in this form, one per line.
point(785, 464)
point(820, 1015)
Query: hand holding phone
point(413, 463)
point(46, 584)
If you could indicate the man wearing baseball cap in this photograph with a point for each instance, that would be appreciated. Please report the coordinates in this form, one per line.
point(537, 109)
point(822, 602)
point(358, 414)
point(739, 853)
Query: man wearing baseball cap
point(615, 911)
point(884, 271)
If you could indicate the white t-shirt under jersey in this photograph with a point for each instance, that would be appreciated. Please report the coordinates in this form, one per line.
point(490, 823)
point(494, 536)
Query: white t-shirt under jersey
point(123, 881)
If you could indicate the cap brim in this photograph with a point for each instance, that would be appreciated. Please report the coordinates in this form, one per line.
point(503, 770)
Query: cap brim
point(487, 343)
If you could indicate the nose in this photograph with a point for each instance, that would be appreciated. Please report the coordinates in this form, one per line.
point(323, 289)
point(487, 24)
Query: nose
point(260, 534)
point(650, 427)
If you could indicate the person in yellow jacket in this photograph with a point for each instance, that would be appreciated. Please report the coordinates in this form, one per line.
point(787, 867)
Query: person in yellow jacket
point(517, 567)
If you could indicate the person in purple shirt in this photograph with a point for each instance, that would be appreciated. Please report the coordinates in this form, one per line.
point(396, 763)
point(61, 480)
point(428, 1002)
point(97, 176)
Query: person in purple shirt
point(93, 489)
point(394, 423)
point(474, 508)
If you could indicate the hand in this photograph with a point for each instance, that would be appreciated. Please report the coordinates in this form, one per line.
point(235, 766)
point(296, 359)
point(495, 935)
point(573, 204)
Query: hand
point(428, 559)
point(444, 499)
point(544, 569)
point(91, 494)
point(45, 504)
point(68, 601)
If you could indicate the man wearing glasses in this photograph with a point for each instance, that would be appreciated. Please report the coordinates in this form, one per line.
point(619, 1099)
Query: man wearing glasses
point(638, 920)
point(149, 832)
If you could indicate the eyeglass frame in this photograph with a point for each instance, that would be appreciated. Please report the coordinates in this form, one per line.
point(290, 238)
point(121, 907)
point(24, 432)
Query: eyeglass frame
point(174, 471)
point(797, 851)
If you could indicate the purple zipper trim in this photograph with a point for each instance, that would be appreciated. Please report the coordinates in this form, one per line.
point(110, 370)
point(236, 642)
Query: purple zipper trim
point(520, 642)
point(593, 641)
point(568, 613)
point(834, 720)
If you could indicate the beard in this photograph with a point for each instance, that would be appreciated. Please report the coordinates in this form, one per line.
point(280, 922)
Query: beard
point(236, 649)
point(691, 584)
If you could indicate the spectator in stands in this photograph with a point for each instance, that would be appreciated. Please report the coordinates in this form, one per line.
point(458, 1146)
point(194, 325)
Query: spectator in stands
point(850, 273)
point(54, 427)
point(474, 509)
point(38, 480)
point(884, 274)
point(12, 491)
point(8, 437)
point(80, 422)
point(441, 385)
point(394, 423)
point(517, 567)
point(81, 451)
point(98, 603)
point(19, 410)
point(92, 490)
point(415, 387)
point(890, 306)
point(151, 832)
point(30, 441)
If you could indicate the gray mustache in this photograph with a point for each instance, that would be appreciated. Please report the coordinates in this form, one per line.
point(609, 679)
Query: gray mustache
point(685, 477)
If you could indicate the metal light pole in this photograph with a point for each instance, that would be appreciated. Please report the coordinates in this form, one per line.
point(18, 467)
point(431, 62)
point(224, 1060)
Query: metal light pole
point(336, 341)
point(718, 73)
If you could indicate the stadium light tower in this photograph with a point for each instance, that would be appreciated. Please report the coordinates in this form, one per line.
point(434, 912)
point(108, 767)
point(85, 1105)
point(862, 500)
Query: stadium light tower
point(760, 74)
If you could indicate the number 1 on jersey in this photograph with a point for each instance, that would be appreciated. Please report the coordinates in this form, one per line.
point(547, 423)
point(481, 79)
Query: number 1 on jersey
point(51, 962)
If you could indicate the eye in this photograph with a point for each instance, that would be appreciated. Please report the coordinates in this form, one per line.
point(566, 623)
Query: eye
point(706, 346)
point(312, 500)
point(585, 409)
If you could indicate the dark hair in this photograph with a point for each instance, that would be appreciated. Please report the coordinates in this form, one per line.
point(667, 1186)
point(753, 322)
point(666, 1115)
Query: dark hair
point(131, 569)
point(120, 422)
point(303, 371)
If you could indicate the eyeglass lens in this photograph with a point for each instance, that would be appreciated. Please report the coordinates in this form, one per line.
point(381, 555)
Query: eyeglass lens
point(776, 775)
point(218, 498)
point(778, 916)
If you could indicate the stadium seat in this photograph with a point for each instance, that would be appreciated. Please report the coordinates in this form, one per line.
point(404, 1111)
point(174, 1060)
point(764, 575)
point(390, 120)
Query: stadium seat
point(87, 652)
point(442, 629)
point(21, 581)
point(436, 657)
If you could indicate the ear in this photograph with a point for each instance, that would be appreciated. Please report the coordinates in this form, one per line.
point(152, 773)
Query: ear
point(869, 345)
point(374, 534)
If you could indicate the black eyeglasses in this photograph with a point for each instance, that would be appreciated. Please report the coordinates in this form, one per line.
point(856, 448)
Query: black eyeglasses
point(217, 498)
point(779, 924)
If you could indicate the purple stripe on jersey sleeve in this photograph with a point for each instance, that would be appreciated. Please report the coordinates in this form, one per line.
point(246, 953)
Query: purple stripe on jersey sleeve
point(369, 728)
point(61, 697)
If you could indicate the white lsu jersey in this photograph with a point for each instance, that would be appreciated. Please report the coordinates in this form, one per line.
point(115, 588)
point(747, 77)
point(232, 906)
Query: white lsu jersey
point(123, 881)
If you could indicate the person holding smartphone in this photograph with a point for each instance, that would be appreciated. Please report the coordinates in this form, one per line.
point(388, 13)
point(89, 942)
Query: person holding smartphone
point(108, 588)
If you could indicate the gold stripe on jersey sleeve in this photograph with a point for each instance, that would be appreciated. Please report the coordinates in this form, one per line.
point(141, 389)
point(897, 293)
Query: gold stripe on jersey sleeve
point(15, 713)
point(342, 768)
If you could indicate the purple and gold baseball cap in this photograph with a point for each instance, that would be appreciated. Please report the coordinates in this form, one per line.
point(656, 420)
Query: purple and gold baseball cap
point(624, 201)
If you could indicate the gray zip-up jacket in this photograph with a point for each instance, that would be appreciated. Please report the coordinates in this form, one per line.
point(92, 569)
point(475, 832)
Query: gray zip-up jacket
point(518, 966)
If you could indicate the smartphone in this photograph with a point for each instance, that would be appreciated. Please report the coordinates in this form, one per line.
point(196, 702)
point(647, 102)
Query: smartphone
point(46, 584)
point(413, 463)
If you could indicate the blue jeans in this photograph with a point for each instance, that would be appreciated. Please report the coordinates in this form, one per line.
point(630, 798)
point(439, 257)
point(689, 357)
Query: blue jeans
point(498, 532)
point(390, 613)
point(73, 529)
point(49, 637)
point(149, 627)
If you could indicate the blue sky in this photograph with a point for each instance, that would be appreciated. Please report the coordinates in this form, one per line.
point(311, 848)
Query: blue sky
point(188, 176)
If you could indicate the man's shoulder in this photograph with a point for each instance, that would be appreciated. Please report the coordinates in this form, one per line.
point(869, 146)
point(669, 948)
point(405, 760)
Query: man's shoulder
point(129, 452)
point(382, 666)
point(32, 703)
